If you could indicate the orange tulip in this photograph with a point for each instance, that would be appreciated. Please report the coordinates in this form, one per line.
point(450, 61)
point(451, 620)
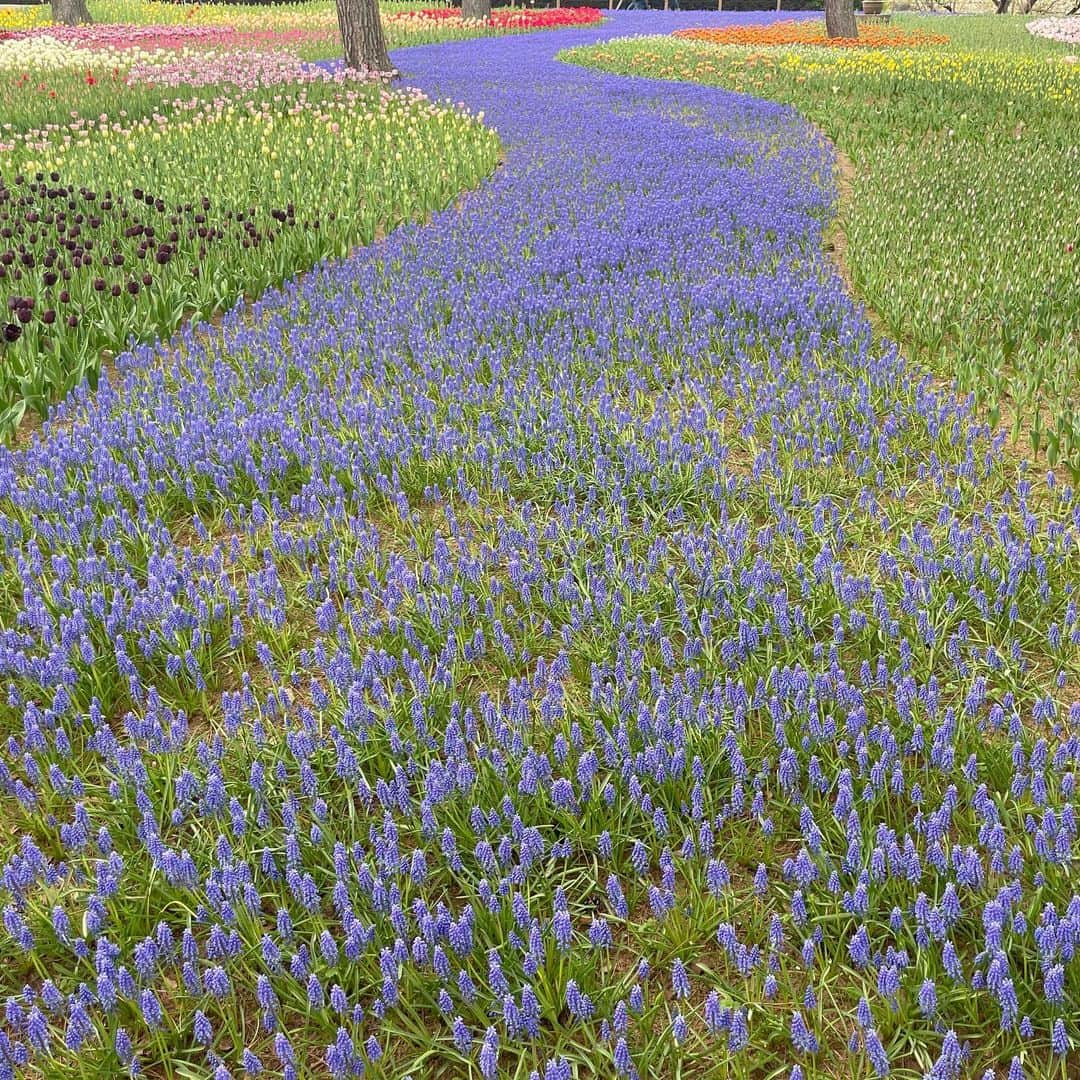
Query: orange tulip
point(812, 32)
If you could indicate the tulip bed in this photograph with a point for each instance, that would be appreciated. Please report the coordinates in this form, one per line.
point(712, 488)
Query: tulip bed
point(52, 76)
point(444, 23)
point(207, 167)
point(516, 17)
point(183, 95)
point(963, 226)
point(561, 640)
point(313, 22)
point(233, 197)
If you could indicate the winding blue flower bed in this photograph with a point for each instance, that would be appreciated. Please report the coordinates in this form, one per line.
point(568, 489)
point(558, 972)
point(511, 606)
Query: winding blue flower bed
point(558, 638)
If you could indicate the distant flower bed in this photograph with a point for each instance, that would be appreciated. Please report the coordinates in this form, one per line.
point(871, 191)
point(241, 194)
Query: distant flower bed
point(1063, 28)
point(812, 32)
point(515, 18)
point(125, 36)
point(222, 58)
point(161, 55)
point(20, 18)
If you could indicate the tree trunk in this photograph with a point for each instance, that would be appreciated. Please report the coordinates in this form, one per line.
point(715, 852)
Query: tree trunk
point(362, 35)
point(70, 12)
point(840, 19)
point(479, 10)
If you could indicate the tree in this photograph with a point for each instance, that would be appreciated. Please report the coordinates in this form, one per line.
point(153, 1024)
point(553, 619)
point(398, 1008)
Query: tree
point(840, 19)
point(476, 9)
point(362, 35)
point(70, 12)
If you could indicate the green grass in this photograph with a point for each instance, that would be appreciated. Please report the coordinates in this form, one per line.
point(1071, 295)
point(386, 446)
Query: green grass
point(965, 202)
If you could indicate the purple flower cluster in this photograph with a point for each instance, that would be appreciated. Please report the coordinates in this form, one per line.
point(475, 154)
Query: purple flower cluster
point(559, 638)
